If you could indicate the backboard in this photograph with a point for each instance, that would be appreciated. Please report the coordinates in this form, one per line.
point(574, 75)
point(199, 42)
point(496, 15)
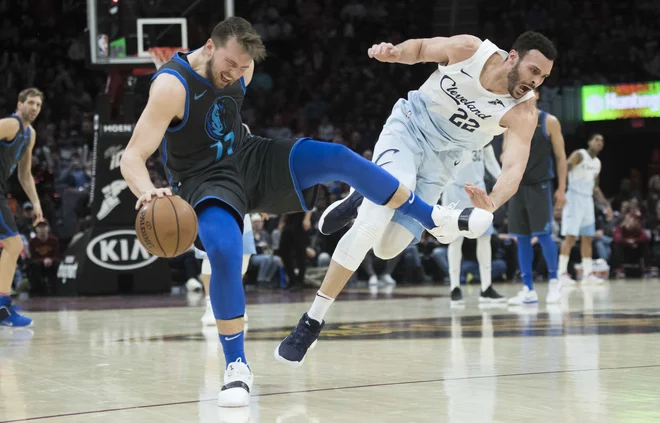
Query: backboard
point(121, 32)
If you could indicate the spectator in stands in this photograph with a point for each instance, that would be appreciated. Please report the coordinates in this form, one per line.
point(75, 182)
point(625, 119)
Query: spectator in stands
point(44, 259)
point(631, 245)
point(264, 261)
point(295, 229)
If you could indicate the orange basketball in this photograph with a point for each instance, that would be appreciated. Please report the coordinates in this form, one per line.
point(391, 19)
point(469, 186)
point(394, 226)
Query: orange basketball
point(167, 226)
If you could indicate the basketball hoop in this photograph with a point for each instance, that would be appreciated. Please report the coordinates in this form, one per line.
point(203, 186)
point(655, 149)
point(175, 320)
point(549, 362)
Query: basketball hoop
point(161, 55)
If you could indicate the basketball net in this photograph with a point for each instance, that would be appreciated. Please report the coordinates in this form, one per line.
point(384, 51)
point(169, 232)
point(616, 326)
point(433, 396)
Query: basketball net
point(161, 55)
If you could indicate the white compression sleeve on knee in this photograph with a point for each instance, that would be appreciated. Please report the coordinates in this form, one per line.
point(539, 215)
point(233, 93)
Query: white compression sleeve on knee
point(206, 266)
point(366, 231)
point(454, 256)
point(485, 259)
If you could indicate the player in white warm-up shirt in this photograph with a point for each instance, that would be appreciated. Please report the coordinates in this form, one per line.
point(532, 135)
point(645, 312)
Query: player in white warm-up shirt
point(478, 91)
point(473, 172)
point(578, 216)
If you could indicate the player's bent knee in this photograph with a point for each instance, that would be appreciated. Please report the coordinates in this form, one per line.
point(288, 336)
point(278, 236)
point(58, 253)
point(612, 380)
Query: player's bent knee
point(395, 239)
point(355, 244)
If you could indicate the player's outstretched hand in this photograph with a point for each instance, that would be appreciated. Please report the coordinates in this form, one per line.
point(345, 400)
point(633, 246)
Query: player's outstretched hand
point(147, 196)
point(479, 198)
point(385, 52)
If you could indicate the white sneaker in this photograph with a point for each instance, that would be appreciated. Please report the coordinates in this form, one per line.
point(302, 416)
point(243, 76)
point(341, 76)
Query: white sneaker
point(452, 223)
point(554, 292)
point(373, 280)
point(238, 383)
point(566, 280)
point(208, 319)
point(194, 285)
point(387, 279)
point(593, 279)
point(524, 297)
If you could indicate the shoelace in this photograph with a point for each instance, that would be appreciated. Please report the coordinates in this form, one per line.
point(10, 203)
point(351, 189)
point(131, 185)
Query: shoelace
point(296, 338)
point(450, 207)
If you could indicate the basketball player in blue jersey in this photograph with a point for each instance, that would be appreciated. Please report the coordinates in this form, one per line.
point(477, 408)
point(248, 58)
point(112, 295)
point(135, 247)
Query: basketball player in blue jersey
point(249, 248)
point(474, 172)
point(213, 163)
point(578, 216)
point(531, 208)
point(478, 91)
point(16, 143)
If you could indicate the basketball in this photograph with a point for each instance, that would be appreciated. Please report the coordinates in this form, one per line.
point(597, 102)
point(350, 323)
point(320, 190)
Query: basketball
point(167, 226)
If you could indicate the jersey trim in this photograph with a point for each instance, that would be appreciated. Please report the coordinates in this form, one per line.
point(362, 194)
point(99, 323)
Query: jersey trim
point(242, 81)
point(7, 143)
point(544, 117)
point(187, 104)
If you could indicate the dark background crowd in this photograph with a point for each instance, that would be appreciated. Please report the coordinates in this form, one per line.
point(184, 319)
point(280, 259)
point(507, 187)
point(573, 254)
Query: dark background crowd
point(318, 81)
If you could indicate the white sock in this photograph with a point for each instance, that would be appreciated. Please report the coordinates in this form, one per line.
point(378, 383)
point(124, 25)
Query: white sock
point(563, 265)
point(320, 306)
point(454, 256)
point(587, 266)
point(485, 258)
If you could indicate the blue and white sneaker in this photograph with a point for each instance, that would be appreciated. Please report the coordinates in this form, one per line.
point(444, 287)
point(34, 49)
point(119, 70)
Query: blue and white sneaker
point(292, 350)
point(524, 297)
point(340, 213)
point(10, 317)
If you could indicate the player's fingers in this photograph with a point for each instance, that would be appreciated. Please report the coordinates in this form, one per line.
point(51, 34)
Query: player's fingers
point(160, 193)
point(167, 192)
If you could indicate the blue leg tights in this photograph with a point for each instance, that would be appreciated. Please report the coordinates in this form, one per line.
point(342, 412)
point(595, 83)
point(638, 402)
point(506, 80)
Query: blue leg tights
point(526, 260)
point(315, 162)
point(221, 235)
point(550, 253)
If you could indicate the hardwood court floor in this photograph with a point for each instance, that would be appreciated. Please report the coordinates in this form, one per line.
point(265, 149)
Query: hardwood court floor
point(404, 356)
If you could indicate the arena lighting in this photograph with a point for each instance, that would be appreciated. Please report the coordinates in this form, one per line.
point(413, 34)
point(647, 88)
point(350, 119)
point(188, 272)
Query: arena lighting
point(621, 101)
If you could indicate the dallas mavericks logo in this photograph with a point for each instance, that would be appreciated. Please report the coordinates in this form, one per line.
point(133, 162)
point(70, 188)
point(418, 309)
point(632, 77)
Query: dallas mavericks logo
point(219, 124)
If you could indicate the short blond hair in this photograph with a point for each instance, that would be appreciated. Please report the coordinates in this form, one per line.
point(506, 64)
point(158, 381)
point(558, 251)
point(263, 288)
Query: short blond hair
point(30, 92)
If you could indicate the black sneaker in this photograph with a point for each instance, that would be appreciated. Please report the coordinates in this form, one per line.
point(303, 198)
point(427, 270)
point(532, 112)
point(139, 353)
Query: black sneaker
point(292, 350)
point(340, 213)
point(457, 297)
point(491, 296)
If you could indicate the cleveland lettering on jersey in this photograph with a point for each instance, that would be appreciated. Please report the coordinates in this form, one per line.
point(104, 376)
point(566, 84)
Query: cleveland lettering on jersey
point(451, 90)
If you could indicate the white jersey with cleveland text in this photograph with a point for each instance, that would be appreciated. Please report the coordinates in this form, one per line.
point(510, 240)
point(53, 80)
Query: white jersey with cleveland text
point(453, 106)
point(582, 178)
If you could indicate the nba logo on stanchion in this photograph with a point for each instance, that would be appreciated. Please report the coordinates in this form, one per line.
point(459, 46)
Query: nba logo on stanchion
point(102, 45)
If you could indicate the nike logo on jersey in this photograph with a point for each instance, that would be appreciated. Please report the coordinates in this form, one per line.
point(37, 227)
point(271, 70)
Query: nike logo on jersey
point(457, 162)
point(496, 102)
point(198, 96)
point(466, 74)
point(232, 338)
point(412, 198)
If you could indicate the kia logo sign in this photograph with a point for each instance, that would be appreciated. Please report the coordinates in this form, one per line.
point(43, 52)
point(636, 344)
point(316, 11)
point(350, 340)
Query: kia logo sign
point(119, 250)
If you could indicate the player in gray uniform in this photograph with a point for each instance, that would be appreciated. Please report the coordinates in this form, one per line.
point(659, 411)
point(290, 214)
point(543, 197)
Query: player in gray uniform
point(474, 172)
point(16, 143)
point(478, 91)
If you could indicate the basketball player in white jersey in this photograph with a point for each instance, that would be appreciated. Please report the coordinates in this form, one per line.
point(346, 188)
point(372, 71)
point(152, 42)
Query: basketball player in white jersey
point(478, 91)
point(578, 216)
point(474, 172)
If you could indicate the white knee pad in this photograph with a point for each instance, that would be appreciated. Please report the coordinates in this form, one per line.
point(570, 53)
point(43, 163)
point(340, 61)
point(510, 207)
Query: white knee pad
point(363, 235)
point(206, 266)
point(395, 239)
